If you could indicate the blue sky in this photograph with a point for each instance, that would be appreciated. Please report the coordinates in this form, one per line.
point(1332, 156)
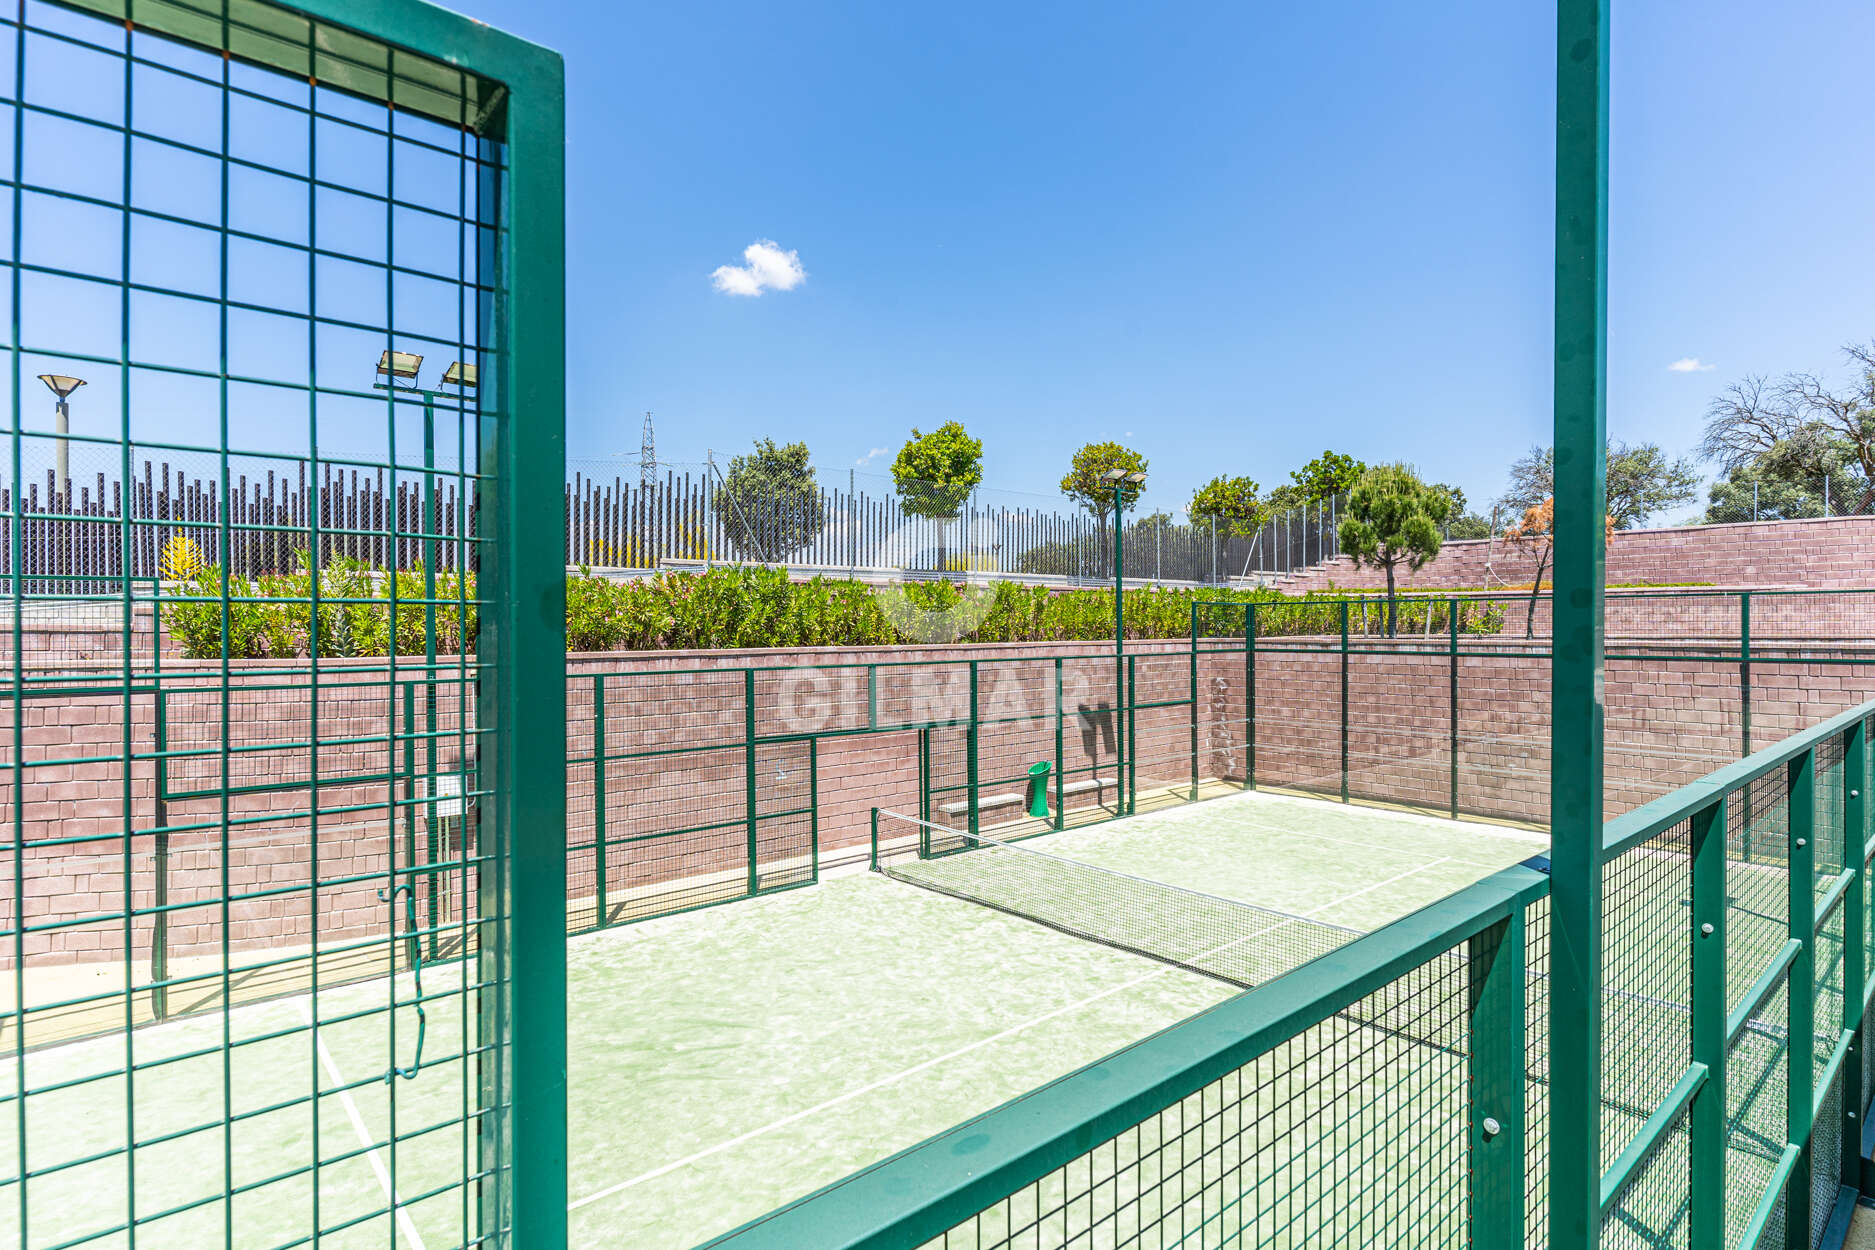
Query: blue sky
point(1228, 235)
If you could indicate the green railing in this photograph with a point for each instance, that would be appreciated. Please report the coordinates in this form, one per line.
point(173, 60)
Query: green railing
point(1396, 1091)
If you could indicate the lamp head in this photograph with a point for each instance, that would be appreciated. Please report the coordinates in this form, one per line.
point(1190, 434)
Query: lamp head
point(399, 366)
point(460, 374)
point(61, 385)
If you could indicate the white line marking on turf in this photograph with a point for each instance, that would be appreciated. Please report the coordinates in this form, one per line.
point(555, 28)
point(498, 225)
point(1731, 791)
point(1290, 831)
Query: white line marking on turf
point(404, 1223)
point(884, 1081)
point(1378, 885)
point(851, 1094)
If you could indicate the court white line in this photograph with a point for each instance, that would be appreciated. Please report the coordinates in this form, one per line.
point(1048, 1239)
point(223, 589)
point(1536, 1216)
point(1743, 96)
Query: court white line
point(882, 1082)
point(851, 1094)
point(404, 1223)
point(1368, 889)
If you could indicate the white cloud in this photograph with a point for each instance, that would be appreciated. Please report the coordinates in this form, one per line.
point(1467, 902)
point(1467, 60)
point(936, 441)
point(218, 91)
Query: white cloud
point(767, 268)
point(1690, 364)
point(869, 457)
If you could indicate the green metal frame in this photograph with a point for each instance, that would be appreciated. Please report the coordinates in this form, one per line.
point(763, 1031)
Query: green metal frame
point(425, 62)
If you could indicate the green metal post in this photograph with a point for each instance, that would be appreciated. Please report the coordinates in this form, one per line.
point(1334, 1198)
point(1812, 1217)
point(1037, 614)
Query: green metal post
point(872, 696)
point(159, 868)
point(598, 801)
point(1194, 702)
point(1801, 1105)
point(413, 949)
point(749, 796)
point(1744, 675)
point(1708, 1127)
point(1580, 381)
point(813, 808)
point(1061, 813)
point(1496, 998)
point(1451, 744)
point(1130, 791)
point(1250, 695)
point(1119, 642)
point(970, 756)
point(1344, 701)
point(875, 840)
point(1855, 1094)
point(924, 775)
point(523, 442)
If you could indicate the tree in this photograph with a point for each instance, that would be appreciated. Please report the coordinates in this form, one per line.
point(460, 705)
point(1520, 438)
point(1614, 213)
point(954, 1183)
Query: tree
point(1231, 504)
point(1085, 483)
point(1392, 519)
point(769, 503)
point(936, 472)
point(1787, 430)
point(1536, 535)
point(1641, 481)
point(1323, 478)
point(1460, 522)
point(1807, 474)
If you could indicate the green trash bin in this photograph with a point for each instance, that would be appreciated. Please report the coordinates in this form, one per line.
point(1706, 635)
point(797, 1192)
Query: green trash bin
point(1038, 789)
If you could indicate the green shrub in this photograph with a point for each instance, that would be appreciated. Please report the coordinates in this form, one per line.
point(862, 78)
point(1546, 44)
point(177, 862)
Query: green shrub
point(272, 615)
point(753, 607)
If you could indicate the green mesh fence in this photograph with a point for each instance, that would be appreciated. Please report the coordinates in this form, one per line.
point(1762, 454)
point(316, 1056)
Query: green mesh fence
point(1398, 1089)
point(259, 755)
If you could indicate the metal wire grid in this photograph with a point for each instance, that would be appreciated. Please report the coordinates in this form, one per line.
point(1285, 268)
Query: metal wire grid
point(1536, 1070)
point(1826, 1147)
point(1757, 1123)
point(223, 249)
point(674, 801)
point(1348, 1133)
point(1646, 1032)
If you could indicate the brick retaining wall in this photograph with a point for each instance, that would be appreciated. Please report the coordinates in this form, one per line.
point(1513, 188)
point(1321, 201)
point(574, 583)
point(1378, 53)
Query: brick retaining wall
point(1667, 723)
point(1831, 552)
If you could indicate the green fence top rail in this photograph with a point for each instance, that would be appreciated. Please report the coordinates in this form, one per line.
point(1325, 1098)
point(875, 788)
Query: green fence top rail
point(416, 61)
point(1668, 810)
point(918, 1194)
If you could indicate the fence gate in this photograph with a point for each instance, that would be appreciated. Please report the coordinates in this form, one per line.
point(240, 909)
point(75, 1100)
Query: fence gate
point(263, 910)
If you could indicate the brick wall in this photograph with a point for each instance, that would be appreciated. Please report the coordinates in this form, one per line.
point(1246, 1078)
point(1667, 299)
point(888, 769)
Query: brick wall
point(1668, 722)
point(1823, 553)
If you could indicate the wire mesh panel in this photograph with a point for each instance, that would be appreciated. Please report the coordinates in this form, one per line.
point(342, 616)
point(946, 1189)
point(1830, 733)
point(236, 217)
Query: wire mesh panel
point(254, 920)
point(1348, 1134)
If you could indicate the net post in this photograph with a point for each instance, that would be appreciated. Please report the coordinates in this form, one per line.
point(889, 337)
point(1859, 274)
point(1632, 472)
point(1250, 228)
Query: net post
point(813, 809)
point(1708, 1112)
point(1800, 818)
point(1344, 701)
point(598, 800)
point(874, 865)
point(1855, 946)
point(1496, 997)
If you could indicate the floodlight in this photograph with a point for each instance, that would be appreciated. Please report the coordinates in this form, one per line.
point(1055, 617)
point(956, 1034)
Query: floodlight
point(400, 365)
point(460, 374)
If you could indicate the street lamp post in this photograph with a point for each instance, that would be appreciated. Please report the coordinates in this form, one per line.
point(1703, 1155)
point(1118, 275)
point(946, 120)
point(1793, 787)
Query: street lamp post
point(62, 387)
point(395, 367)
point(1121, 479)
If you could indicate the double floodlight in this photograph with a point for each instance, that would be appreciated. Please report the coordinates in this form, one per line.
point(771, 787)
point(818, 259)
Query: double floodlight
point(1116, 476)
point(403, 367)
